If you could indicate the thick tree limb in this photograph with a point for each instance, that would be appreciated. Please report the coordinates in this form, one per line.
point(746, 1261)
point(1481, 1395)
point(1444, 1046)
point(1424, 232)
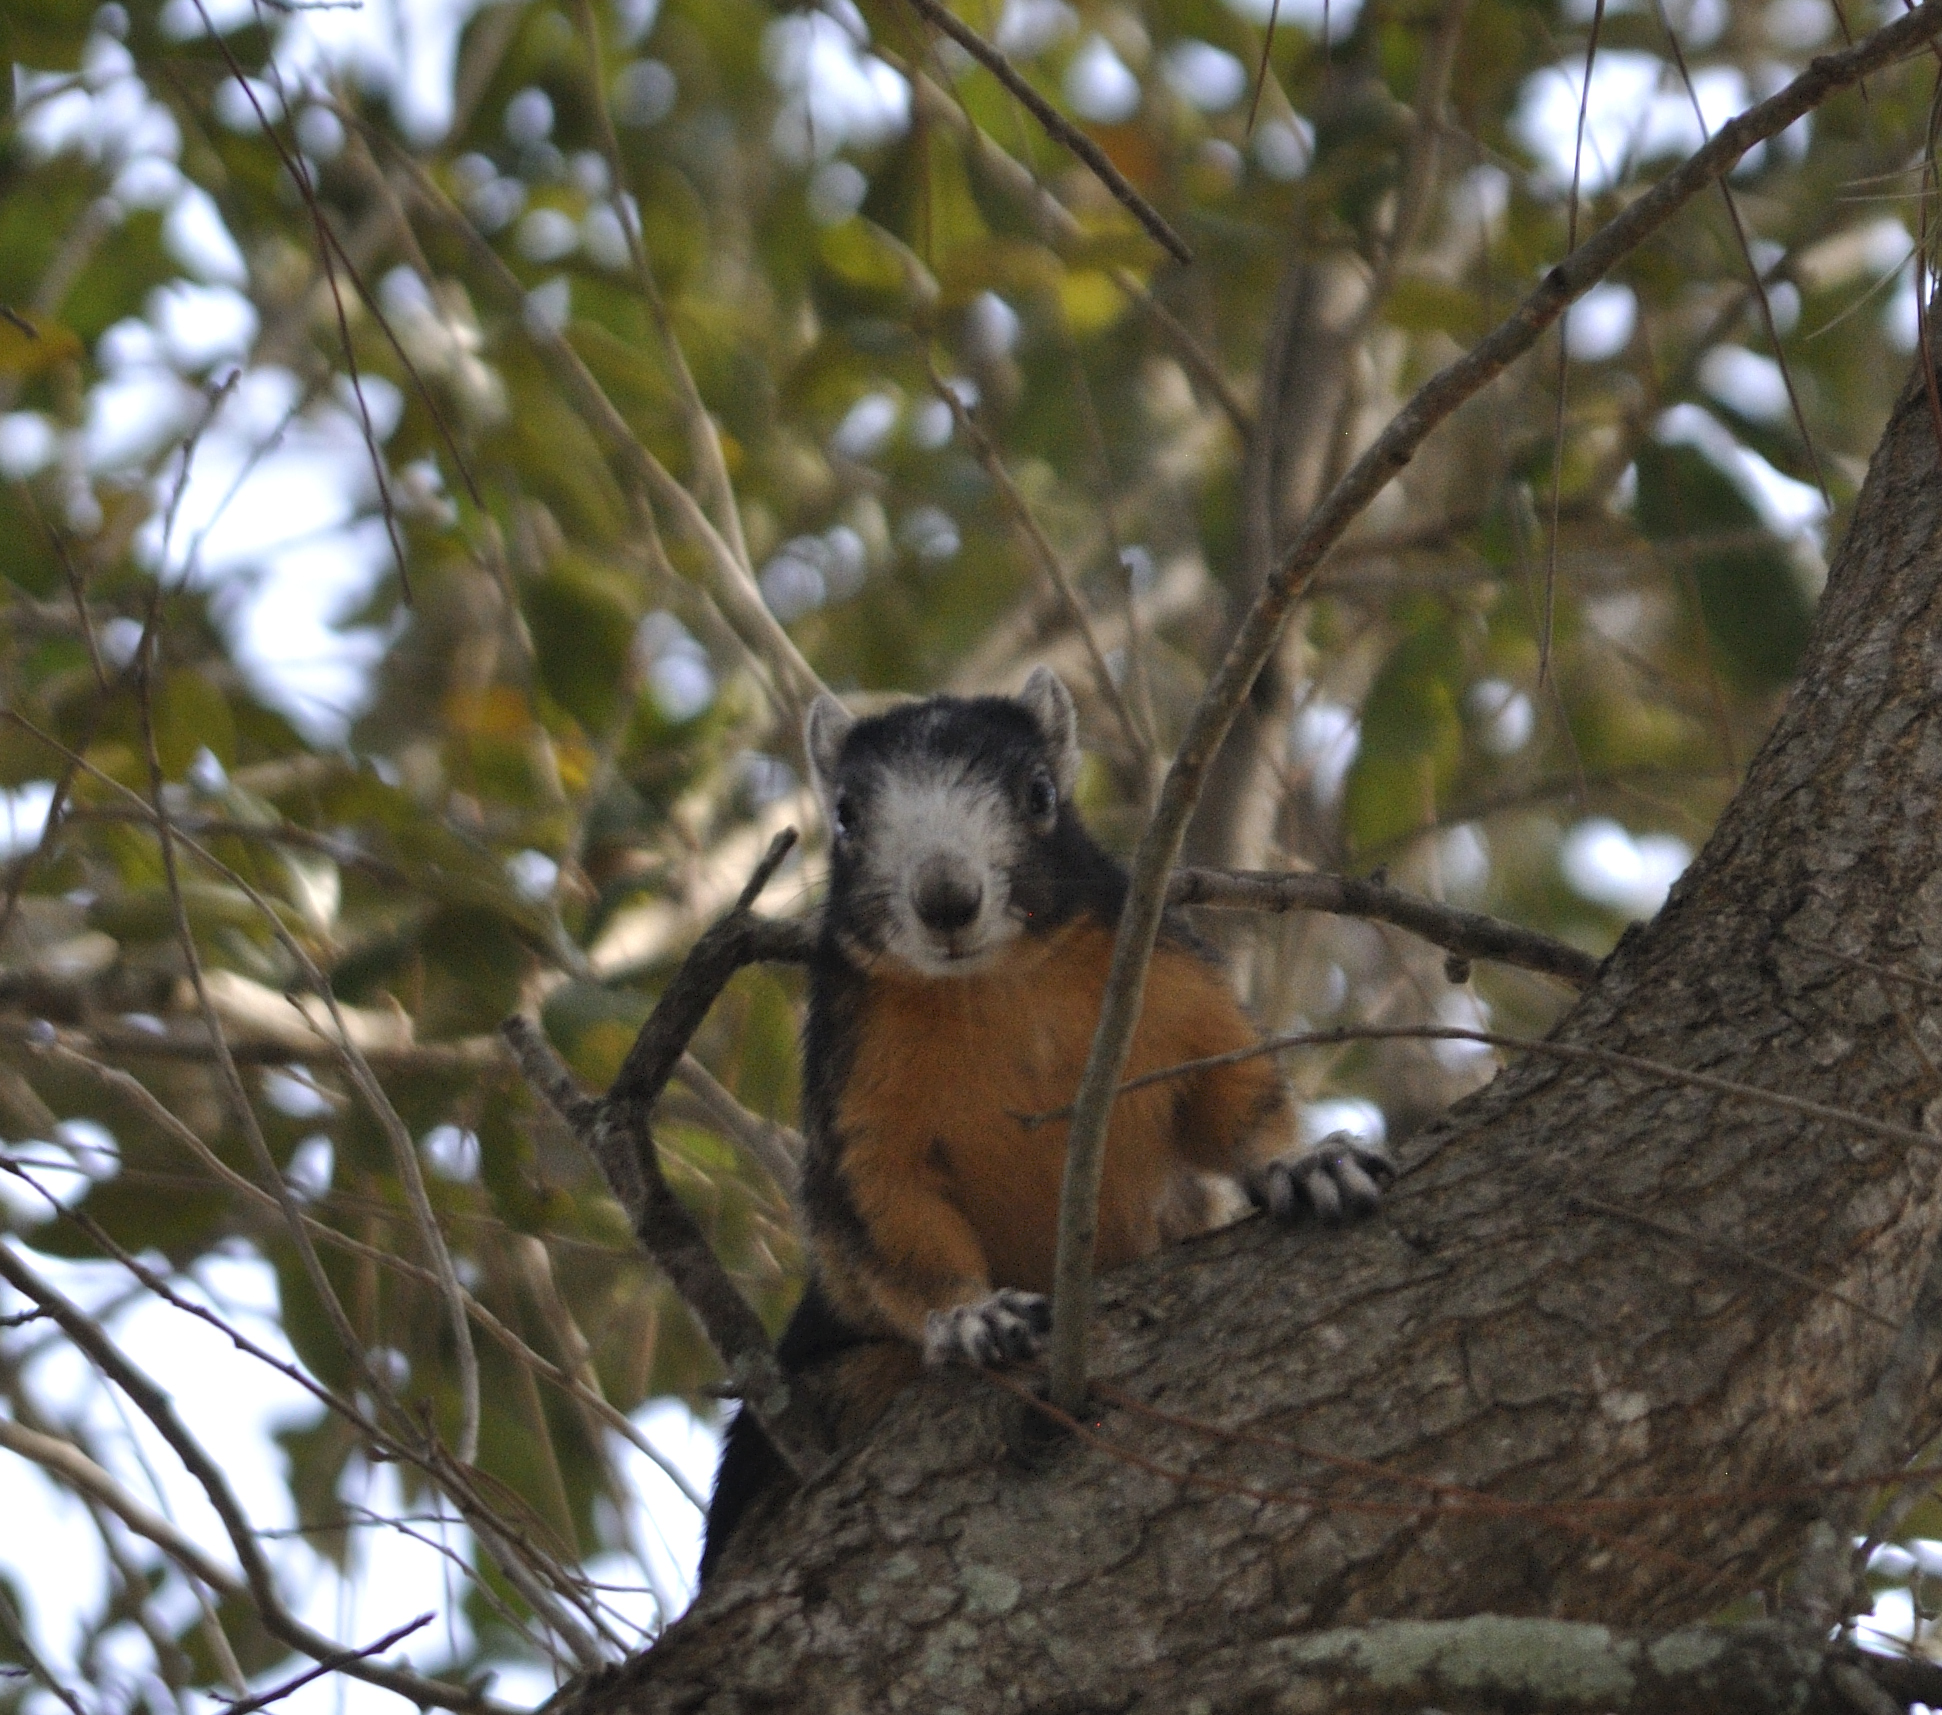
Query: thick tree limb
point(1225, 692)
point(1496, 1328)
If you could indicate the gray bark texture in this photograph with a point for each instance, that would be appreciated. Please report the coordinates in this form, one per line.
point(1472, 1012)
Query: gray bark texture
point(1591, 1284)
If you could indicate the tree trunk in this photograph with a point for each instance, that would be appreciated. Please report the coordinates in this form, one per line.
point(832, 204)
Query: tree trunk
point(1591, 1282)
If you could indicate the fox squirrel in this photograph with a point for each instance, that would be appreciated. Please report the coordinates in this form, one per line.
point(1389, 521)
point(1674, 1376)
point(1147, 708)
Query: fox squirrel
point(955, 987)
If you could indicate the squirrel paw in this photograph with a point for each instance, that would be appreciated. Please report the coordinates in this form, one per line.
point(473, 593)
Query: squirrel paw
point(1342, 1177)
point(1000, 1329)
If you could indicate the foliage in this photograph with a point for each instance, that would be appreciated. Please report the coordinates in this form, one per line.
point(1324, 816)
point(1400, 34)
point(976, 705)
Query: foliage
point(574, 737)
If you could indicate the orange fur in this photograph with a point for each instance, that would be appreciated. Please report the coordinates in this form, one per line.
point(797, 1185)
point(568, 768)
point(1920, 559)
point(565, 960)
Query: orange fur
point(958, 1194)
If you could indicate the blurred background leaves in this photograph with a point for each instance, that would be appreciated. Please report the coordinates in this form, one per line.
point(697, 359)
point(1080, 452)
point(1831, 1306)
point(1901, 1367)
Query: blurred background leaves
point(478, 722)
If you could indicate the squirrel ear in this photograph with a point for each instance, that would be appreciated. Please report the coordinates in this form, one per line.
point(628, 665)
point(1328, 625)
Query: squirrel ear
point(825, 727)
point(1051, 706)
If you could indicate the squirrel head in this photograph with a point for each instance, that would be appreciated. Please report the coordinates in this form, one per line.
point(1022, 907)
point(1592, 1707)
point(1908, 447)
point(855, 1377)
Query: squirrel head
point(950, 821)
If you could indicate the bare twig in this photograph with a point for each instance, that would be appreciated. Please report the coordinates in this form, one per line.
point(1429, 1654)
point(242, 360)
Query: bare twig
point(516, 1557)
point(17, 1631)
point(1138, 740)
point(734, 583)
point(616, 1130)
point(403, 1148)
point(524, 1566)
point(1194, 357)
point(704, 440)
point(775, 1147)
point(232, 1082)
point(348, 1056)
point(1926, 985)
point(1225, 692)
point(330, 1664)
point(1056, 225)
point(1469, 934)
point(154, 1404)
point(1060, 129)
point(1564, 356)
point(74, 1468)
point(327, 243)
point(1724, 1247)
point(1753, 275)
point(469, 1056)
point(1659, 1070)
point(144, 1100)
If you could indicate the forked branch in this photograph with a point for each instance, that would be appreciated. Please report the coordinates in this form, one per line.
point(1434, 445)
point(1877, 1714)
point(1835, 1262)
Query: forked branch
point(617, 1131)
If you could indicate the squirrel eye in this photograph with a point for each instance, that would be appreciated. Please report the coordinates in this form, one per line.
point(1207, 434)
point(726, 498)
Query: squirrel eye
point(843, 816)
point(1041, 796)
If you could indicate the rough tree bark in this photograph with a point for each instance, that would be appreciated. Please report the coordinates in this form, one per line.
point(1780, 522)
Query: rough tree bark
point(1503, 1326)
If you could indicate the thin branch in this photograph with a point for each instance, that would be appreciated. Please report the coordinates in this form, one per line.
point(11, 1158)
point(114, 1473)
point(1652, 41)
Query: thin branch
point(1926, 985)
point(1194, 357)
point(232, 1082)
point(74, 1468)
point(514, 1554)
point(775, 1148)
point(1138, 740)
point(299, 173)
point(1752, 268)
point(144, 1100)
point(704, 439)
point(1225, 692)
point(1564, 355)
point(469, 1056)
point(735, 587)
point(616, 1130)
point(522, 1564)
point(404, 1149)
point(330, 1664)
point(11, 1621)
point(1056, 225)
point(1660, 1070)
point(1447, 1498)
point(1060, 129)
point(154, 1404)
point(1724, 1247)
point(1468, 934)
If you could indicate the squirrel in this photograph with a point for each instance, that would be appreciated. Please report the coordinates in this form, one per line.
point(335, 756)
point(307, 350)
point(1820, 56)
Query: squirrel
point(955, 986)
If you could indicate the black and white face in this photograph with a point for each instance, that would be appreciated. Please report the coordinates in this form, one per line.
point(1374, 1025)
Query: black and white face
point(936, 813)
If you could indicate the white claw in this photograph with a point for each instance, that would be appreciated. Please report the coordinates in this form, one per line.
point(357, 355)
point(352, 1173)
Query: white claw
point(1360, 1191)
point(1343, 1175)
point(1324, 1195)
point(1004, 1327)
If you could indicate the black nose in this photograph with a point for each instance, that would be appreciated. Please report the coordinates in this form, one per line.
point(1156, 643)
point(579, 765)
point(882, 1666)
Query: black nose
point(945, 898)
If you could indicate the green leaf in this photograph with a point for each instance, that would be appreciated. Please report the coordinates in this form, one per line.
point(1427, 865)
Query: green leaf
point(1412, 734)
point(1755, 612)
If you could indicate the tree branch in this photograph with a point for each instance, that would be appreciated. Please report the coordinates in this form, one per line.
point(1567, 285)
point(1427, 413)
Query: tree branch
point(1467, 934)
point(616, 1131)
point(1370, 474)
point(67, 1462)
point(1060, 129)
point(155, 1405)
